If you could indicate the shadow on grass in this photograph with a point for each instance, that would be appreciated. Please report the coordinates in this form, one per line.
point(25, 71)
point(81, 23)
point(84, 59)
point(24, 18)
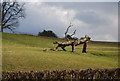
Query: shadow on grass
point(102, 54)
point(47, 50)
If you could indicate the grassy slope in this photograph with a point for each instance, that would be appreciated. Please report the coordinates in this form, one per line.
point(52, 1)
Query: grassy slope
point(23, 52)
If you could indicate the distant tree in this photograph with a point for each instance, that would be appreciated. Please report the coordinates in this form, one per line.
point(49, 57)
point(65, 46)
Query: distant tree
point(48, 33)
point(11, 12)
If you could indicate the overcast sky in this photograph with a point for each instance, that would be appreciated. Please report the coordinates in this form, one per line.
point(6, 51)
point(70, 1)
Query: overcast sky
point(99, 20)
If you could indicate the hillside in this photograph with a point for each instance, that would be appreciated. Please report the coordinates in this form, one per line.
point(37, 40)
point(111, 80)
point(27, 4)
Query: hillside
point(25, 52)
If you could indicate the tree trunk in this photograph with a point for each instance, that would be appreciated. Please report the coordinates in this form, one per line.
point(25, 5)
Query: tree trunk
point(1, 29)
point(84, 48)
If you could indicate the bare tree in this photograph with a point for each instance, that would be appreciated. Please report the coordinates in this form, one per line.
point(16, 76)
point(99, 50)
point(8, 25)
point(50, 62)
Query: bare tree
point(11, 12)
point(68, 36)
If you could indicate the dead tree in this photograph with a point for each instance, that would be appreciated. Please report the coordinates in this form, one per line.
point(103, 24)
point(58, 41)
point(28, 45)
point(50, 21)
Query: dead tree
point(74, 43)
point(10, 13)
point(68, 36)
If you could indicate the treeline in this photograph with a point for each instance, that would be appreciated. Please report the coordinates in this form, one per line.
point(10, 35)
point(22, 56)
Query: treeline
point(48, 33)
point(45, 33)
point(63, 75)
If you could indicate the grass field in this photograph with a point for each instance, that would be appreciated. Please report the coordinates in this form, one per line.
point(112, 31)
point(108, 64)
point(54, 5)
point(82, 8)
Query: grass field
point(25, 52)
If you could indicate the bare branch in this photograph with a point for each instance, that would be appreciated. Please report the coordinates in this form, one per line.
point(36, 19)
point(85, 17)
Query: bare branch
point(6, 21)
point(68, 36)
point(11, 12)
point(10, 29)
point(8, 9)
point(73, 33)
point(68, 29)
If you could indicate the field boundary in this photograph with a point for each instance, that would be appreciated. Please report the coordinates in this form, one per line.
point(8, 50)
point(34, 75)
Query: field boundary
point(72, 75)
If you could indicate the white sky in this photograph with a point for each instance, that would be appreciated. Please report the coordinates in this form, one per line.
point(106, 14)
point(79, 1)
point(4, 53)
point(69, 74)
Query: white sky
point(98, 20)
point(64, 0)
point(69, 0)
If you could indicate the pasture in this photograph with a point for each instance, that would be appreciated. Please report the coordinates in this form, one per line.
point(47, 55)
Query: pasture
point(25, 52)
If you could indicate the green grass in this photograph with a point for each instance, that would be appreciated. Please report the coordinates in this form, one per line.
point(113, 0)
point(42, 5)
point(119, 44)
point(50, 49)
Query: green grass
point(25, 52)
